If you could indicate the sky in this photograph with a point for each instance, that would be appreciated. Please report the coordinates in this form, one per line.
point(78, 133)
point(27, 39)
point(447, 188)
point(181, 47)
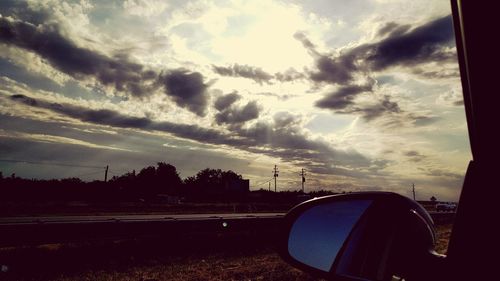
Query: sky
point(363, 95)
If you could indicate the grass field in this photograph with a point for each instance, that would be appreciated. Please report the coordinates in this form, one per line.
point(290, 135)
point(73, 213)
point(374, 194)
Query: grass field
point(151, 260)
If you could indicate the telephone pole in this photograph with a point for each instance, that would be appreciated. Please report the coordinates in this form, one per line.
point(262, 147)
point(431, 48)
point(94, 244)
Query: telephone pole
point(303, 174)
point(413, 191)
point(106, 174)
point(275, 175)
point(269, 185)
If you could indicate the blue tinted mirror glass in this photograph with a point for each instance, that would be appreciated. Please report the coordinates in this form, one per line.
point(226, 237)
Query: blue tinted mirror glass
point(318, 234)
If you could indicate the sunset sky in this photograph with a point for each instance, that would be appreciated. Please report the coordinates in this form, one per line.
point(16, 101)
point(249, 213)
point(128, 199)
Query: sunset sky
point(363, 95)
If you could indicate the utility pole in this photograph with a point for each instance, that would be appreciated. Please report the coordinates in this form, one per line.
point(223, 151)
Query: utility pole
point(269, 185)
point(413, 192)
point(303, 174)
point(275, 175)
point(106, 174)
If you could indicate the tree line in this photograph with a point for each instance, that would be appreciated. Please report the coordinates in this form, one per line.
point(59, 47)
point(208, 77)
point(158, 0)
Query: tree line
point(148, 183)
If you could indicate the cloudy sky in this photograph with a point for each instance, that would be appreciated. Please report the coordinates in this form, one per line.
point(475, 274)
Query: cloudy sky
point(364, 95)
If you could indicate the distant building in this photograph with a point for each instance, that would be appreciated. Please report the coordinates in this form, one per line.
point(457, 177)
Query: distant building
point(238, 185)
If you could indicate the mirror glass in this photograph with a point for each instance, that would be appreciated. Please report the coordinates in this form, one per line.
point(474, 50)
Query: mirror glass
point(318, 233)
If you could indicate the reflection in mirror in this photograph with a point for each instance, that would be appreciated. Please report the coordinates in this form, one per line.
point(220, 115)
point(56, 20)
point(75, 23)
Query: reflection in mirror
point(318, 234)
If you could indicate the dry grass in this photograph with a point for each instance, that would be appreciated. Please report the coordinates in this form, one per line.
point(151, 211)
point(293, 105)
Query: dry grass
point(443, 237)
point(264, 265)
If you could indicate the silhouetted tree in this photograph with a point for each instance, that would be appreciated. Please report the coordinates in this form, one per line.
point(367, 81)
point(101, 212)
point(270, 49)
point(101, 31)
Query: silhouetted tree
point(207, 185)
point(210, 184)
point(146, 182)
point(168, 177)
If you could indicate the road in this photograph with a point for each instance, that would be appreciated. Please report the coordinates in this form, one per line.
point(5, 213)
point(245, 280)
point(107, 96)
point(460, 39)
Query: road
point(157, 217)
point(133, 218)
point(54, 229)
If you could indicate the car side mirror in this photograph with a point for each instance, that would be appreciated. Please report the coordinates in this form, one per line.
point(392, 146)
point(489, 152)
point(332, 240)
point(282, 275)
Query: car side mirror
point(360, 236)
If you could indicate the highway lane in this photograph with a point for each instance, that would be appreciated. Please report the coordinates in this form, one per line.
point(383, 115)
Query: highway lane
point(156, 217)
point(59, 229)
point(134, 218)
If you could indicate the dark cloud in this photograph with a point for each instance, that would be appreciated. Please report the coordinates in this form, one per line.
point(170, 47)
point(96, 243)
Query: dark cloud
point(36, 81)
point(285, 119)
point(291, 145)
point(245, 71)
point(66, 56)
point(101, 116)
point(277, 96)
point(238, 115)
point(401, 47)
point(442, 74)
point(225, 101)
point(257, 74)
point(116, 119)
point(285, 141)
point(419, 45)
point(21, 10)
point(393, 29)
point(370, 112)
point(384, 106)
point(441, 173)
point(306, 42)
point(87, 132)
point(334, 70)
point(342, 101)
point(422, 120)
point(343, 97)
point(187, 90)
point(414, 155)
point(289, 75)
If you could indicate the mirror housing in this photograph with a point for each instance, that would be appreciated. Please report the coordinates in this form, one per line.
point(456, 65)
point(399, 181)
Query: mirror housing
point(360, 236)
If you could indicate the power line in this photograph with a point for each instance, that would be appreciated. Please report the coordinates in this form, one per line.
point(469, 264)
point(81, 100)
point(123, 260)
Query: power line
point(88, 174)
point(119, 170)
point(115, 173)
point(261, 183)
point(50, 163)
